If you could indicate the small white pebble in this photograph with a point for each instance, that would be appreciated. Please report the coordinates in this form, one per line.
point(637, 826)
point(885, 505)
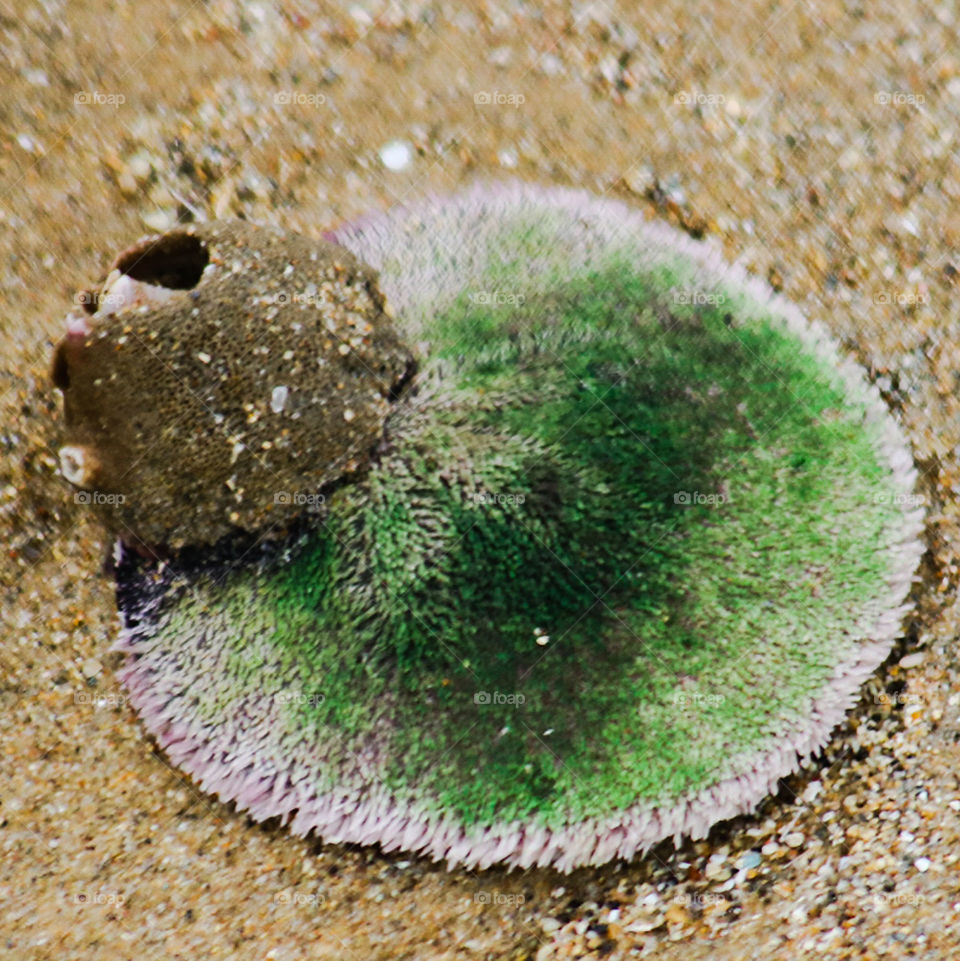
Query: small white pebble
point(278, 399)
point(203, 358)
point(361, 17)
point(922, 864)
point(508, 158)
point(396, 155)
point(141, 167)
point(812, 790)
point(500, 56)
point(849, 159)
point(551, 65)
point(91, 668)
point(160, 220)
point(348, 415)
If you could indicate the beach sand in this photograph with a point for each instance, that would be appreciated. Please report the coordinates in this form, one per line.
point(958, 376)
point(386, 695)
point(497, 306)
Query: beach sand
point(815, 142)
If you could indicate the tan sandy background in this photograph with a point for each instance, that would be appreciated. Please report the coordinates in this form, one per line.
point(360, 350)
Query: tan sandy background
point(816, 142)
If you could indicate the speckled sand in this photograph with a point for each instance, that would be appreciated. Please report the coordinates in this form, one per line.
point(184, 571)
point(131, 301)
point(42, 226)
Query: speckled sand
point(815, 142)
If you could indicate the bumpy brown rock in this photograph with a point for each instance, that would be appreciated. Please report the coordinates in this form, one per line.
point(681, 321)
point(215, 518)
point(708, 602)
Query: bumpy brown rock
point(219, 377)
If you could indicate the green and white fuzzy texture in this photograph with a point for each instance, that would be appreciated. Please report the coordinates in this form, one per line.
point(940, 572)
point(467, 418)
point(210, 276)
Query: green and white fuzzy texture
point(635, 540)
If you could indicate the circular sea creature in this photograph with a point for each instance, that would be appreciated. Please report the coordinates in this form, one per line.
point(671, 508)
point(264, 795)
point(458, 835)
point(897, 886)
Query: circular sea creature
point(624, 550)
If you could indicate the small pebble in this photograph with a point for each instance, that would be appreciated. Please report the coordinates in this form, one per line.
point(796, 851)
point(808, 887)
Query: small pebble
point(140, 166)
point(91, 667)
point(551, 65)
point(912, 660)
point(640, 179)
point(396, 155)
point(159, 220)
point(278, 399)
point(677, 914)
point(508, 158)
point(812, 791)
point(127, 183)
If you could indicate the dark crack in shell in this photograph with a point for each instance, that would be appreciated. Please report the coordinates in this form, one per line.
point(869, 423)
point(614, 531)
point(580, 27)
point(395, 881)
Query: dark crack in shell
point(220, 376)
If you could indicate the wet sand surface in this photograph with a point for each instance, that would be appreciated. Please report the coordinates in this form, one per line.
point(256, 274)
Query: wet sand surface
point(816, 143)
